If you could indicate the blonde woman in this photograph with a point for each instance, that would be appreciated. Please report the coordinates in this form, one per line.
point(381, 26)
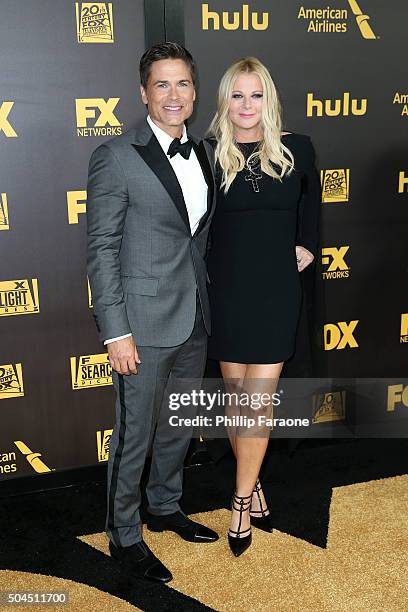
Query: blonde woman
point(264, 234)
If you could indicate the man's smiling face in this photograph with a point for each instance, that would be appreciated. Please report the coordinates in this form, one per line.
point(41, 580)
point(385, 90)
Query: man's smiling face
point(169, 95)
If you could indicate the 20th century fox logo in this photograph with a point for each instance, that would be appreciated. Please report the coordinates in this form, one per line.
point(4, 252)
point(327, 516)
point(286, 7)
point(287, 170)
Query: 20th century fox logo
point(4, 215)
point(102, 441)
point(19, 297)
point(329, 407)
point(94, 22)
point(90, 371)
point(100, 112)
point(335, 185)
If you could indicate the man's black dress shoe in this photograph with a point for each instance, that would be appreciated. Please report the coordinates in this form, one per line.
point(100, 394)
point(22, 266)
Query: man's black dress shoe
point(141, 561)
point(183, 526)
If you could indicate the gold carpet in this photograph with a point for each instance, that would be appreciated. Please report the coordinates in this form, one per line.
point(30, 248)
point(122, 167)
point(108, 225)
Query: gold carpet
point(82, 598)
point(363, 567)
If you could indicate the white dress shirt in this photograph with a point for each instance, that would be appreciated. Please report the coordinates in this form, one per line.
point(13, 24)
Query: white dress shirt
point(191, 180)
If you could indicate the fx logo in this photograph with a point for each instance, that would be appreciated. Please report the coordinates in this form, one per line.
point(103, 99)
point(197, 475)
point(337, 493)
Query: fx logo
point(76, 202)
point(333, 257)
point(5, 125)
point(86, 109)
point(337, 258)
point(339, 335)
point(397, 394)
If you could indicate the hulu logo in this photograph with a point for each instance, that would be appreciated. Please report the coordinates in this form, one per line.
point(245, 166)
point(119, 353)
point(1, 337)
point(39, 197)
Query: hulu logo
point(334, 108)
point(237, 20)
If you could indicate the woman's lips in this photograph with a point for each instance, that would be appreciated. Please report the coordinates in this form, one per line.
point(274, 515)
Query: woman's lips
point(246, 115)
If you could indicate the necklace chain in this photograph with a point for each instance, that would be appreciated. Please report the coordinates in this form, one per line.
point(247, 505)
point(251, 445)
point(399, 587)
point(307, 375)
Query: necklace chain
point(254, 173)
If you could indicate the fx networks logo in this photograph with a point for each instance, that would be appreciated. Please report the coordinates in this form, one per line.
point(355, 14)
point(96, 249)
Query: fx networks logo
point(239, 20)
point(402, 100)
point(76, 203)
point(94, 22)
point(335, 185)
point(397, 394)
point(339, 335)
point(333, 258)
point(33, 459)
point(335, 21)
point(5, 125)
point(102, 111)
point(329, 407)
point(11, 381)
point(90, 371)
point(90, 302)
point(4, 216)
point(335, 108)
point(404, 327)
point(19, 297)
point(102, 441)
point(402, 183)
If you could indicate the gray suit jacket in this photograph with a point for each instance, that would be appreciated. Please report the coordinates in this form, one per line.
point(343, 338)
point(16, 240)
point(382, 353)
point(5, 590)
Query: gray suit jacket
point(144, 266)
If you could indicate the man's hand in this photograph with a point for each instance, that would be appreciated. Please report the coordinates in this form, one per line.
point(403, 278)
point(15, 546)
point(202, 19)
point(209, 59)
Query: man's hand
point(123, 356)
point(303, 258)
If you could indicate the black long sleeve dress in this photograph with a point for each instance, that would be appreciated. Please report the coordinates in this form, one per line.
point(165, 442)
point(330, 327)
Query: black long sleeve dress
point(255, 290)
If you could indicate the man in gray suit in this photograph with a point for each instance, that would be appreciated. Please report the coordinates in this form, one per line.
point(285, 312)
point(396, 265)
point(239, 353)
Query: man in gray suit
point(149, 207)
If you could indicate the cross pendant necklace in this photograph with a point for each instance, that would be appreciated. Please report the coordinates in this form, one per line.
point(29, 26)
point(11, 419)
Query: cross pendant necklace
point(254, 177)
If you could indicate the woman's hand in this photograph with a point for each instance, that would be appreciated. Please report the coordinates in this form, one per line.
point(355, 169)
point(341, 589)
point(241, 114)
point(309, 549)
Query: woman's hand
point(303, 258)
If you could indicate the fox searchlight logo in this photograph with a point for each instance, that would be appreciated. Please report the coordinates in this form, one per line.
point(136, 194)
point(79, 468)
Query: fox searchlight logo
point(19, 297)
point(90, 371)
point(94, 22)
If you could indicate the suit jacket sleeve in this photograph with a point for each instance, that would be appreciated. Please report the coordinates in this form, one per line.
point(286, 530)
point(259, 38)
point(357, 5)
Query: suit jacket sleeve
point(310, 201)
point(107, 202)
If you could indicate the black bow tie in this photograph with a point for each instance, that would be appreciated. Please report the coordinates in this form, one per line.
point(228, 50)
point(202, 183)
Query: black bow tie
point(183, 148)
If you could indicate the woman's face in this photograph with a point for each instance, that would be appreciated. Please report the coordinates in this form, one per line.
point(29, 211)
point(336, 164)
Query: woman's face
point(245, 107)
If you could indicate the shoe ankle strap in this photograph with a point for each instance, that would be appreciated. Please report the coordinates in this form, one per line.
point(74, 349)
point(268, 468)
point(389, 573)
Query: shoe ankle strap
point(239, 533)
point(258, 486)
point(240, 500)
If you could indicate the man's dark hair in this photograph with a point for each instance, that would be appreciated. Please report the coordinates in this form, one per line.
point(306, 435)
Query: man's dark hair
point(161, 51)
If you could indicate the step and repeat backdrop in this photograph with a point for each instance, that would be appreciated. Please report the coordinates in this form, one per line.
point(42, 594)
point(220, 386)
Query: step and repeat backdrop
point(70, 81)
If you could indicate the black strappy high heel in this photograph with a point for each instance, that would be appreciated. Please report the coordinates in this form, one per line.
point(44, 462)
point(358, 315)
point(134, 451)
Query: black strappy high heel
point(259, 518)
point(237, 543)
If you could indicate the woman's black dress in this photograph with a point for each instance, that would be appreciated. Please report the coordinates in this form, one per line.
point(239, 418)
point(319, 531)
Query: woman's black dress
point(255, 291)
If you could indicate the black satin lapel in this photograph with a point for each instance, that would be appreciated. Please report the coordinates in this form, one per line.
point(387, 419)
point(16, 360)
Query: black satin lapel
point(205, 165)
point(204, 162)
point(155, 158)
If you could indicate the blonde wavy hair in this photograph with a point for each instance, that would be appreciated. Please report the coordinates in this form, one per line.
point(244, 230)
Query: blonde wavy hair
point(271, 150)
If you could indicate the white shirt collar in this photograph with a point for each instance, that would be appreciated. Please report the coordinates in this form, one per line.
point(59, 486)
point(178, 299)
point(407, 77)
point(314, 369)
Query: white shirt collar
point(164, 139)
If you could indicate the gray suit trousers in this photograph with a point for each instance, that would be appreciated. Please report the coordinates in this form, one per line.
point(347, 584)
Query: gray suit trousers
point(142, 419)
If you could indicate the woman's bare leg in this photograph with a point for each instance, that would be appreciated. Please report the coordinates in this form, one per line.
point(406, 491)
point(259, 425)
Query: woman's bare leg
point(233, 375)
point(250, 447)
